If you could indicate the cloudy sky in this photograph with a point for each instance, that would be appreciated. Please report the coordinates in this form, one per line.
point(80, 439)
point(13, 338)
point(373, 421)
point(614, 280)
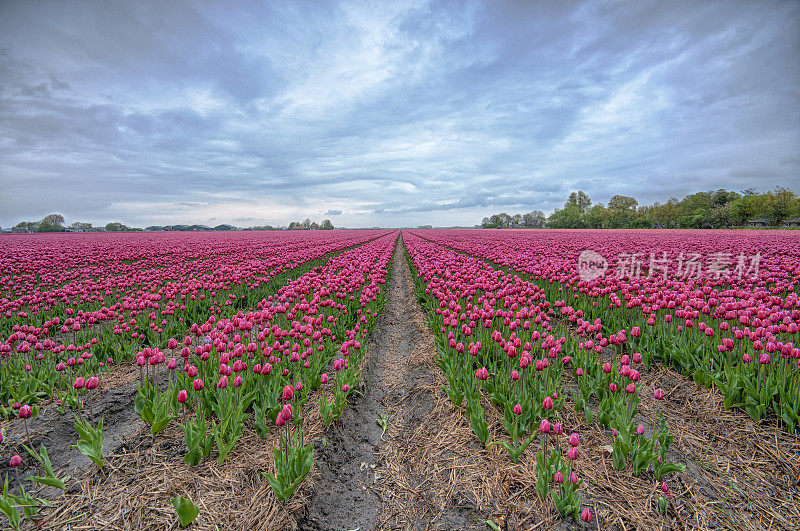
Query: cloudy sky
point(387, 113)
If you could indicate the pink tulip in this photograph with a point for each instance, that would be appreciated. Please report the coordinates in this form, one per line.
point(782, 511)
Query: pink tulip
point(288, 393)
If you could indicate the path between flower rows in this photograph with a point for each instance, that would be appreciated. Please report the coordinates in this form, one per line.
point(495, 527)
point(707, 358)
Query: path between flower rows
point(353, 491)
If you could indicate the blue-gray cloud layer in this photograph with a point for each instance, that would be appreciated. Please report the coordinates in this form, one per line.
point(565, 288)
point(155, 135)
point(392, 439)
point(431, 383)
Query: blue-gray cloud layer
point(388, 113)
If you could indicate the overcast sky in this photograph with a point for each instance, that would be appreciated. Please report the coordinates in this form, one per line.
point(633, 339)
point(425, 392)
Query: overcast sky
point(387, 113)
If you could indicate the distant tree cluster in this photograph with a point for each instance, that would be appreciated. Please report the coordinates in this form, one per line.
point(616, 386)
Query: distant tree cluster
point(702, 210)
point(532, 220)
point(307, 224)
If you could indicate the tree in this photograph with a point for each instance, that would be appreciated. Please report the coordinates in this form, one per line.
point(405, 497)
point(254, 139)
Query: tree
point(326, 224)
point(51, 223)
point(622, 209)
point(567, 218)
point(597, 217)
point(307, 223)
point(579, 200)
point(54, 219)
point(116, 226)
point(534, 219)
point(779, 205)
point(30, 226)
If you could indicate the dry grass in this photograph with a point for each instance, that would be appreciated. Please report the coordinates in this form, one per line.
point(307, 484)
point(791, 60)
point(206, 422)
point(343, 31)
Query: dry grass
point(740, 475)
point(136, 488)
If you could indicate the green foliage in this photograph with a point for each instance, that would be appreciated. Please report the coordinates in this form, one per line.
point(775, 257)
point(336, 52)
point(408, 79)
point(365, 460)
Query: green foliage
point(155, 407)
point(90, 443)
point(49, 478)
point(198, 439)
point(293, 462)
point(187, 511)
point(701, 210)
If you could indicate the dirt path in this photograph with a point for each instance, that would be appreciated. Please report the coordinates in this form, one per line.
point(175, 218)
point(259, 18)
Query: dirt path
point(344, 497)
point(364, 472)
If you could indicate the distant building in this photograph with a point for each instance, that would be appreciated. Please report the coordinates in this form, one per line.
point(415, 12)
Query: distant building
point(794, 222)
point(20, 230)
point(758, 222)
point(84, 229)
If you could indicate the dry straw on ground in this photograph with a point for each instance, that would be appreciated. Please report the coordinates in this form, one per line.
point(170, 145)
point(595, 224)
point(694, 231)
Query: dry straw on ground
point(740, 475)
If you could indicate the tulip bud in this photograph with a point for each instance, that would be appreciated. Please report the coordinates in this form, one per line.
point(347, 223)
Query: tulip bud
point(198, 384)
point(640, 430)
point(544, 426)
point(558, 478)
point(288, 393)
point(548, 403)
point(80, 383)
point(25, 411)
point(574, 440)
point(558, 429)
point(92, 383)
point(586, 515)
point(323, 378)
point(183, 396)
point(572, 454)
point(659, 394)
point(517, 409)
point(15, 460)
point(573, 478)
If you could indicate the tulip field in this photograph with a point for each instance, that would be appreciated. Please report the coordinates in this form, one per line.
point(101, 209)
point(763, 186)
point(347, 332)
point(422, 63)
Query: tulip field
point(598, 379)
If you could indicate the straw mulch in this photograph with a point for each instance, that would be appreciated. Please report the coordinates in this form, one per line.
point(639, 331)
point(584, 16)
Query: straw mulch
point(435, 473)
point(135, 489)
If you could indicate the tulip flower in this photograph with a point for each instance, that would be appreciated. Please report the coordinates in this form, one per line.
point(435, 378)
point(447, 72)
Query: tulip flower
point(586, 515)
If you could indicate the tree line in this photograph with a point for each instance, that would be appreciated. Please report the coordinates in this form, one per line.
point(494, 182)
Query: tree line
point(701, 210)
point(55, 223)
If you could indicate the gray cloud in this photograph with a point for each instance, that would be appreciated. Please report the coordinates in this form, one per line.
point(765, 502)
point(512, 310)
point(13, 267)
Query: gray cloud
point(434, 112)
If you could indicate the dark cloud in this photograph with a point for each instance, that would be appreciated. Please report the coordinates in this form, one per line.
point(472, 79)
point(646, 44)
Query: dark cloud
point(434, 112)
